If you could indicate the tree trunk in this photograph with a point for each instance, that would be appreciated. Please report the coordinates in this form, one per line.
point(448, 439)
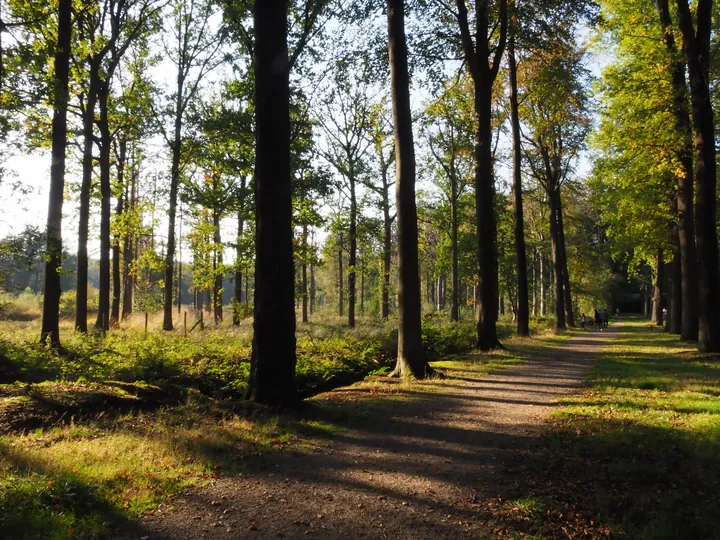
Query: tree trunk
point(555, 240)
point(684, 178)
point(172, 210)
point(657, 315)
point(217, 268)
point(569, 315)
point(543, 284)
point(128, 252)
point(387, 250)
point(119, 208)
point(238, 262)
point(273, 355)
point(696, 47)
point(455, 299)
point(410, 356)
point(102, 322)
point(352, 262)
point(523, 308)
point(340, 281)
point(81, 285)
point(674, 322)
point(50, 332)
point(304, 276)
point(312, 288)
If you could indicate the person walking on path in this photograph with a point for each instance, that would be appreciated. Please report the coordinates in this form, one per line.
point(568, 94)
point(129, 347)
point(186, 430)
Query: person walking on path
point(598, 321)
point(582, 321)
point(605, 317)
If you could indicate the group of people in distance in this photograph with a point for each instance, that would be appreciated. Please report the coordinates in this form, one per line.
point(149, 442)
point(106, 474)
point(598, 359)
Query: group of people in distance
point(602, 317)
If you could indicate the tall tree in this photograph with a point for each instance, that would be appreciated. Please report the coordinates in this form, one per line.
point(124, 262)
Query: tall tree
point(50, 332)
point(193, 47)
point(410, 357)
point(684, 178)
point(696, 47)
point(477, 51)
point(523, 302)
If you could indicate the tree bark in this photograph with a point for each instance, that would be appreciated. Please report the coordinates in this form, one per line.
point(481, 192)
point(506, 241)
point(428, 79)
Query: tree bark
point(274, 348)
point(387, 249)
point(352, 262)
point(50, 331)
point(102, 322)
point(555, 240)
point(312, 288)
point(523, 308)
point(696, 48)
point(217, 268)
point(340, 281)
point(128, 251)
point(674, 322)
point(81, 285)
point(410, 355)
point(657, 315)
point(569, 315)
point(304, 276)
point(119, 209)
point(238, 264)
point(455, 300)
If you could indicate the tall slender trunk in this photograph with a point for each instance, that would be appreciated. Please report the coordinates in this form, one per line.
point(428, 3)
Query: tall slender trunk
point(273, 357)
point(172, 210)
point(50, 331)
point(304, 275)
point(352, 262)
point(543, 284)
point(179, 266)
point(81, 285)
point(119, 208)
point(523, 308)
point(569, 315)
point(128, 250)
point(657, 315)
point(312, 288)
point(555, 240)
point(238, 263)
point(455, 300)
point(218, 265)
point(674, 322)
point(696, 48)
point(103, 317)
point(341, 280)
point(387, 248)
point(410, 357)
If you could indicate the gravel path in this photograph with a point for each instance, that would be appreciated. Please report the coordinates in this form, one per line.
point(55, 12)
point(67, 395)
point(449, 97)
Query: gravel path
point(423, 471)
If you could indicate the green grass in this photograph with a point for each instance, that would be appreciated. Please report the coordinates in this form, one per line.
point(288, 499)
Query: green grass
point(637, 453)
point(118, 424)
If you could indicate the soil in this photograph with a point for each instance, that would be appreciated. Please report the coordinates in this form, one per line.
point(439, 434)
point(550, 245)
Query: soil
point(424, 468)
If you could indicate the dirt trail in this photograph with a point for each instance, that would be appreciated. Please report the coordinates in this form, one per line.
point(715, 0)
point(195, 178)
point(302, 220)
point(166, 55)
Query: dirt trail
point(424, 471)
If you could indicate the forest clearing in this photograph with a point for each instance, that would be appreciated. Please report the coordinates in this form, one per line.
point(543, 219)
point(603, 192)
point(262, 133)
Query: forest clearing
point(359, 269)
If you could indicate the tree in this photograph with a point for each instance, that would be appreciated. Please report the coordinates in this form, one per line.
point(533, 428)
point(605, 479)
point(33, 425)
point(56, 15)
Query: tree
point(193, 48)
point(555, 112)
point(346, 124)
point(477, 51)
point(410, 357)
point(50, 332)
point(696, 48)
point(449, 132)
point(523, 302)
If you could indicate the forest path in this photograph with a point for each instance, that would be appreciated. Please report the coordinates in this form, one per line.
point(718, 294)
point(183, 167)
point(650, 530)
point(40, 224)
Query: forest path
point(423, 468)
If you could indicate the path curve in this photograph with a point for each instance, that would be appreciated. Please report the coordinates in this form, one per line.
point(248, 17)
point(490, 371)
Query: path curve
point(423, 471)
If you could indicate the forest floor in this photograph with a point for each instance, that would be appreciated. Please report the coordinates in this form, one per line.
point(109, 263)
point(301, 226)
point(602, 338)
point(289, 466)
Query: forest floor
point(438, 459)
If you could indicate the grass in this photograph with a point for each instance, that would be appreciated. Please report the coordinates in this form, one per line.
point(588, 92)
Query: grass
point(636, 454)
point(121, 423)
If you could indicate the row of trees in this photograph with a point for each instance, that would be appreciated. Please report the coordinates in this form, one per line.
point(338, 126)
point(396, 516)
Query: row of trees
point(278, 139)
point(655, 171)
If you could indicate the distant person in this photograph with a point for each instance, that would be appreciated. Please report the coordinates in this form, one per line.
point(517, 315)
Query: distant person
point(582, 321)
point(664, 315)
point(605, 317)
point(598, 320)
point(617, 313)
